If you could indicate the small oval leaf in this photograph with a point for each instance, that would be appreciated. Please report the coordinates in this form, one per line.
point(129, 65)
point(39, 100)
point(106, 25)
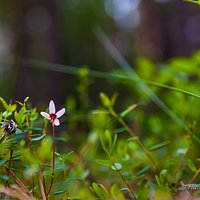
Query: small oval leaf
point(116, 166)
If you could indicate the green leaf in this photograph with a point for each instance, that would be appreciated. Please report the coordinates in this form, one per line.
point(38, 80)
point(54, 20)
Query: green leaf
point(124, 189)
point(196, 138)
point(106, 141)
point(116, 193)
point(44, 151)
point(35, 129)
point(128, 110)
point(26, 99)
point(160, 145)
point(12, 107)
point(140, 173)
point(2, 162)
point(105, 100)
point(101, 191)
point(103, 162)
point(181, 151)
point(20, 116)
point(16, 155)
point(160, 181)
point(75, 179)
point(120, 130)
point(9, 108)
point(38, 138)
point(152, 185)
point(5, 105)
point(59, 192)
point(60, 167)
point(68, 156)
point(4, 178)
point(143, 171)
point(116, 166)
point(191, 1)
point(191, 165)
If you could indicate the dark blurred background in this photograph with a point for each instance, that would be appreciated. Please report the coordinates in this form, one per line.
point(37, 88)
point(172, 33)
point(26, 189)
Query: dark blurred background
point(62, 32)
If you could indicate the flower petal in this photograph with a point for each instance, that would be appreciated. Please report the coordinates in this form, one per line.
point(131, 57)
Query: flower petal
point(56, 122)
point(52, 108)
point(46, 115)
point(60, 113)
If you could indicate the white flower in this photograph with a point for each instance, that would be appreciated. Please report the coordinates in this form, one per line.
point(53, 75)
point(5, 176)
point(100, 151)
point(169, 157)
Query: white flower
point(53, 115)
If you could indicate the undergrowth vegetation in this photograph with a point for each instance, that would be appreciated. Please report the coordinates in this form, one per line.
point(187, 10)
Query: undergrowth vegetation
point(144, 146)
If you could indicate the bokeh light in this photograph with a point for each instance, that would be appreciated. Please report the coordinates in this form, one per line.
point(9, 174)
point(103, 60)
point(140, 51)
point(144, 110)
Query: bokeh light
point(124, 12)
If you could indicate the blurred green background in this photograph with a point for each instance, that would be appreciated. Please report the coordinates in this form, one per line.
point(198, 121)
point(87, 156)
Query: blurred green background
point(71, 50)
point(63, 31)
point(143, 52)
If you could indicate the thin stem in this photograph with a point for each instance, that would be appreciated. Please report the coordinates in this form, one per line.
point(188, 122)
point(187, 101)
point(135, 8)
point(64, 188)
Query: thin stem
point(195, 176)
point(33, 191)
point(123, 178)
point(9, 164)
point(18, 181)
point(44, 183)
point(65, 177)
point(53, 161)
point(26, 117)
point(136, 139)
point(181, 162)
point(42, 189)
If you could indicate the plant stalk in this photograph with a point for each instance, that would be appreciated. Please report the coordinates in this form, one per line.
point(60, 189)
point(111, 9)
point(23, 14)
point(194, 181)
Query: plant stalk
point(136, 139)
point(53, 161)
point(123, 178)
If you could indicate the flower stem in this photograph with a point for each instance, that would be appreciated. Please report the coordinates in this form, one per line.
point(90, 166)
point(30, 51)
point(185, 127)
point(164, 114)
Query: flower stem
point(53, 161)
point(136, 139)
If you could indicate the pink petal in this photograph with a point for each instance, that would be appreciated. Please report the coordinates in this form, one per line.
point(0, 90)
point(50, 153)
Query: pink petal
point(52, 108)
point(56, 122)
point(60, 113)
point(46, 115)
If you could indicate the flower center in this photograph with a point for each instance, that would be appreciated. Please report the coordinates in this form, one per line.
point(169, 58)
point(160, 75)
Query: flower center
point(52, 116)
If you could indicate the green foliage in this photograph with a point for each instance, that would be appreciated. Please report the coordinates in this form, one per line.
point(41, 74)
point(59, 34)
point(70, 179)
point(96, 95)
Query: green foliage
point(100, 191)
point(193, 1)
point(117, 193)
point(20, 116)
point(108, 143)
point(105, 100)
point(124, 148)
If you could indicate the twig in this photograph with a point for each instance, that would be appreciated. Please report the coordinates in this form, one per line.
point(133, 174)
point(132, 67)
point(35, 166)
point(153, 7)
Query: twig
point(17, 181)
point(42, 190)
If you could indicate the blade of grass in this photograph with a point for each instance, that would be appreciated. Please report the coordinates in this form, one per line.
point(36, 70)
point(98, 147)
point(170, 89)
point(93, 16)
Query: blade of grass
point(119, 59)
point(99, 74)
point(108, 75)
